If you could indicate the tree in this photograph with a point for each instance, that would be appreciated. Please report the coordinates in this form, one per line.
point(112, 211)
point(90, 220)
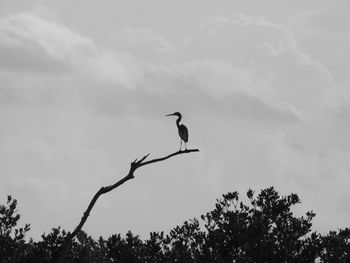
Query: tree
point(264, 231)
point(185, 243)
point(335, 246)
point(128, 249)
point(12, 242)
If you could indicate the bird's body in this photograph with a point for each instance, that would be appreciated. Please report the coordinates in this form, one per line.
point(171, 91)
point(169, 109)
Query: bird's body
point(183, 132)
point(182, 129)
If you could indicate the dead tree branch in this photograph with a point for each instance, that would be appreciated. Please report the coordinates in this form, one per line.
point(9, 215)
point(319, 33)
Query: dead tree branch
point(103, 190)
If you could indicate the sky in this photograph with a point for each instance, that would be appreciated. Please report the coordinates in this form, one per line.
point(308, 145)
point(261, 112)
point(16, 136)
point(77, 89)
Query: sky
point(263, 86)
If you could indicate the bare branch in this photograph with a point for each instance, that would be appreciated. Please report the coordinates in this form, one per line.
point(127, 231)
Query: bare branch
point(167, 157)
point(103, 190)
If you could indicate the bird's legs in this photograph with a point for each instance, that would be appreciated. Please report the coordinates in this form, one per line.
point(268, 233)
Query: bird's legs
point(185, 146)
point(180, 144)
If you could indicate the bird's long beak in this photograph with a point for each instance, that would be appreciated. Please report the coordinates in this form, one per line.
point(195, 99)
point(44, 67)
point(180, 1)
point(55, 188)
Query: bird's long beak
point(170, 114)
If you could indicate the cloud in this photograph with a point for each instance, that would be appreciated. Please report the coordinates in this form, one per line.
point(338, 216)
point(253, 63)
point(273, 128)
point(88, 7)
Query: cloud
point(55, 39)
point(333, 20)
point(259, 63)
point(265, 62)
point(31, 41)
point(230, 37)
point(236, 90)
point(143, 43)
point(324, 33)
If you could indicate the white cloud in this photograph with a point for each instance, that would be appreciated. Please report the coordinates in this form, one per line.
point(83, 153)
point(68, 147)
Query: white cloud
point(324, 34)
point(55, 39)
point(142, 42)
point(247, 71)
point(260, 58)
point(55, 43)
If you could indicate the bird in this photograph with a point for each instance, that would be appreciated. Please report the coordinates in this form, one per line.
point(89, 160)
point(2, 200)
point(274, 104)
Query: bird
point(182, 129)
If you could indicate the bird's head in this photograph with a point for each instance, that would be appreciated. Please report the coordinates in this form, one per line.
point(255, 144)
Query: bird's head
point(178, 114)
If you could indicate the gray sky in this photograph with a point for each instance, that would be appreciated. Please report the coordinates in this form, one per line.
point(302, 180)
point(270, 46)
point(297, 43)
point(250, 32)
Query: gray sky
point(264, 87)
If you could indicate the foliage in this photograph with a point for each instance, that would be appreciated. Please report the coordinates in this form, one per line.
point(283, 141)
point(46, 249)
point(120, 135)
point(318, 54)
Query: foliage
point(335, 247)
point(12, 243)
point(264, 230)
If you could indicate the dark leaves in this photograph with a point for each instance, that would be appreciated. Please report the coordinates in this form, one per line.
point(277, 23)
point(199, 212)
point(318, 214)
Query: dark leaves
point(264, 230)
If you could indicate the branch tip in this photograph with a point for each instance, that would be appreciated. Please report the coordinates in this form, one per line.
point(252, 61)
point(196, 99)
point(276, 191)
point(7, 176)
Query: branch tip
point(143, 158)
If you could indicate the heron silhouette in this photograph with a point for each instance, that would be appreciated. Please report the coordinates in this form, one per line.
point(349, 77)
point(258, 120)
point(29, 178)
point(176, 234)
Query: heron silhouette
point(182, 129)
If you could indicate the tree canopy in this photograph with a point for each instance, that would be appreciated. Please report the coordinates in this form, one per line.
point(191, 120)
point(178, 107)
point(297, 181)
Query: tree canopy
point(264, 230)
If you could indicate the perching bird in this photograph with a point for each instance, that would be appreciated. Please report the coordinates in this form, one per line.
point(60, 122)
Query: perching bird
point(182, 129)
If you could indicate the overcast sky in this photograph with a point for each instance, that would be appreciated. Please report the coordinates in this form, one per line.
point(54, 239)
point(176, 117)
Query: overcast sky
point(264, 88)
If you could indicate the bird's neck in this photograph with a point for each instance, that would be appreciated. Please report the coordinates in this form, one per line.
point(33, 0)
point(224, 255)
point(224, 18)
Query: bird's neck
point(178, 121)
